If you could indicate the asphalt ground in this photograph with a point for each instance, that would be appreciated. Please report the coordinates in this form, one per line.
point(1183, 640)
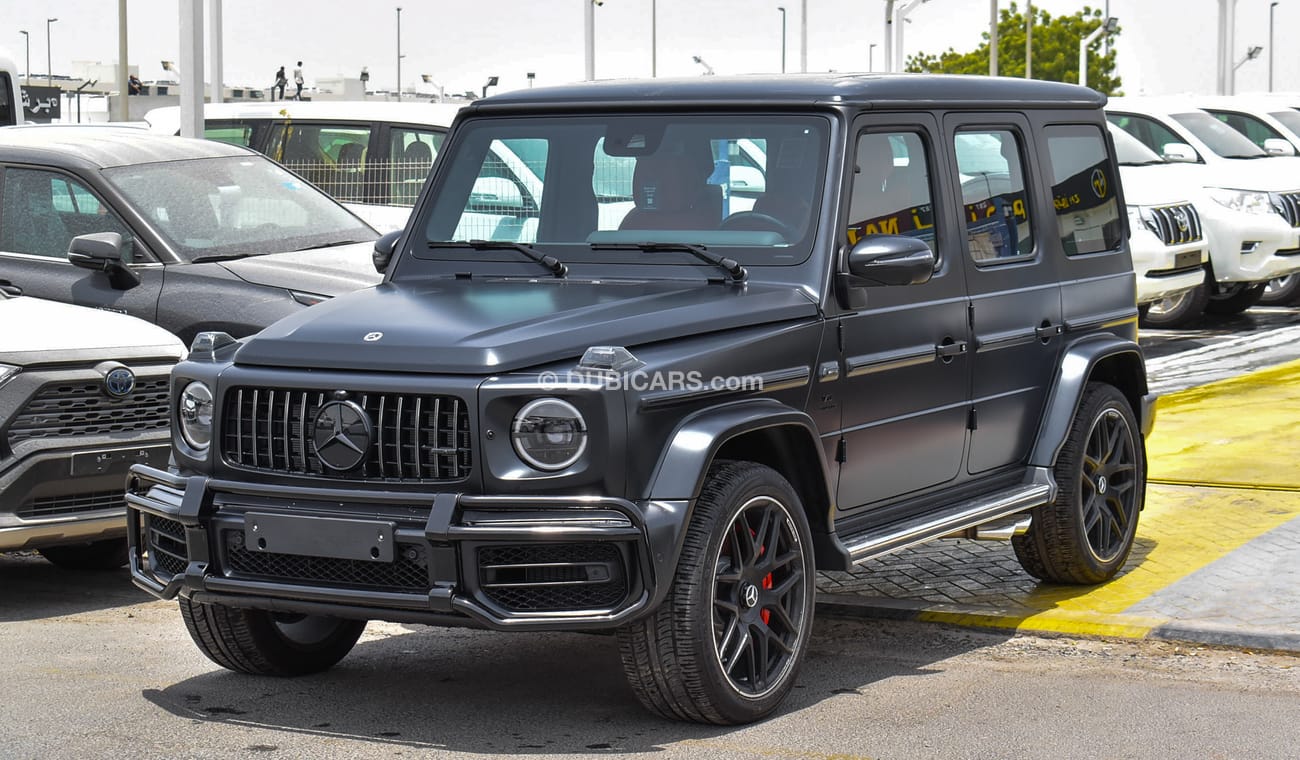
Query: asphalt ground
point(1217, 556)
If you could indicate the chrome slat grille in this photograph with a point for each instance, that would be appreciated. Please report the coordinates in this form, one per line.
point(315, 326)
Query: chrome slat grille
point(1288, 205)
point(82, 408)
point(417, 438)
point(1176, 225)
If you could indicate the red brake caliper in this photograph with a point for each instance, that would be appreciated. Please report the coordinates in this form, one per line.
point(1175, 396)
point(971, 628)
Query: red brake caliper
point(767, 580)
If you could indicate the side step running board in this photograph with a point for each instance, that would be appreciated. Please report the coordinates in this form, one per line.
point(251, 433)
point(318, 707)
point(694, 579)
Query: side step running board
point(877, 542)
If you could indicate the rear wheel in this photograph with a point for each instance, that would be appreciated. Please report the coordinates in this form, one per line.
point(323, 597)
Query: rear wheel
point(1177, 310)
point(1284, 291)
point(109, 554)
point(1234, 298)
point(1086, 534)
point(726, 645)
point(268, 643)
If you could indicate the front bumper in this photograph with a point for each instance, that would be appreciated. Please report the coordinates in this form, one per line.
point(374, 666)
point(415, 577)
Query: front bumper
point(1166, 270)
point(511, 563)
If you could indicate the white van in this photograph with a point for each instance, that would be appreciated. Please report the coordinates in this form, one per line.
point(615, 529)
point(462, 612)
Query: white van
point(1263, 195)
point(11, 102)
point(373, 157)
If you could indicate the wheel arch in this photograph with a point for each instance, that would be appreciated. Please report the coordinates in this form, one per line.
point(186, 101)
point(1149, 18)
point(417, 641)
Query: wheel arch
point(1108, 359)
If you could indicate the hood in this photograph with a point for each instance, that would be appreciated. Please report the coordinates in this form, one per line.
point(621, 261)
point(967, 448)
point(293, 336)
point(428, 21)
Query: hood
point(1160, 184)
point(1277, 173)
point(60, 332)
point(468, 326)
point(326, 271)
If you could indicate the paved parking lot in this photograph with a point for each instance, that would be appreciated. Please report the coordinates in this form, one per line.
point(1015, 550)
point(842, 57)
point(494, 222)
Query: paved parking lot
point(1215, 558)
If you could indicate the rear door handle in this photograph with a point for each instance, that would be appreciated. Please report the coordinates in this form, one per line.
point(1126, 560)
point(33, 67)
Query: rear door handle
point(949, 350)
point(1047, 331)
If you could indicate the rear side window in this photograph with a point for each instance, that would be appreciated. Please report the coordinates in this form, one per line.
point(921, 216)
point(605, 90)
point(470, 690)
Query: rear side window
point(330, 156)
point(993, 193)
point(413, 152)
point(1083, 190)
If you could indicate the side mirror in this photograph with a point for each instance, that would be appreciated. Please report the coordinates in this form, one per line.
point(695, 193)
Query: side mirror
point(1276, 146)
point(384, 248)
point(1179, 153)
point(103, 252)
point(496, 195)
point(890, 260)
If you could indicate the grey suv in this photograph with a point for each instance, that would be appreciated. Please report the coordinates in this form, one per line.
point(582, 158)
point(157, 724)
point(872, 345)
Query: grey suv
point(646, 403)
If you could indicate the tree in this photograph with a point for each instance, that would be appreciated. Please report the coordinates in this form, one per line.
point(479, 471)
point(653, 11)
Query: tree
point(1055, 50)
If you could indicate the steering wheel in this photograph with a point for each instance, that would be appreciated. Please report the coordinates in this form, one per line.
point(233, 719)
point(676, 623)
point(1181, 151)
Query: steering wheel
point(758, 221)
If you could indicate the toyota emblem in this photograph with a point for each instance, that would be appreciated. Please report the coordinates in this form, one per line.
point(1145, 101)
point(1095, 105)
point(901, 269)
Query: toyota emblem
point(341, 435)
point(119, 382)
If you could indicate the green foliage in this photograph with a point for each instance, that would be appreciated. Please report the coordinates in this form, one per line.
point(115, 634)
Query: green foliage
point(1055, 50)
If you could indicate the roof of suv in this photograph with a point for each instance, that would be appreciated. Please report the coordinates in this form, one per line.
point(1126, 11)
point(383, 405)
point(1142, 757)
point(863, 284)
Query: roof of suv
point(105, 146)
point(908, 90)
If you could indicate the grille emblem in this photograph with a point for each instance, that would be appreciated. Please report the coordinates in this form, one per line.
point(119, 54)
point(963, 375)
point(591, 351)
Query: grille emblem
point(1180, 216)
point(119, 382)
point(341, 435)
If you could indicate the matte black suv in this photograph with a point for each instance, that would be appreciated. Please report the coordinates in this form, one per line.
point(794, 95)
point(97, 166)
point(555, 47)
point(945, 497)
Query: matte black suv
point(655, 404)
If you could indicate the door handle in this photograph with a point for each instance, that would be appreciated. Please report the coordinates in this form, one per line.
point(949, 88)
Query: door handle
point(949, 349)
point(1047, 331)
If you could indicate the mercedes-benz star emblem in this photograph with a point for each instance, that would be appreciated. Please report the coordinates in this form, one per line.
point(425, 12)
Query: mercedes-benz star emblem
point(749, 595)
point(119, 382)
point(341, 435)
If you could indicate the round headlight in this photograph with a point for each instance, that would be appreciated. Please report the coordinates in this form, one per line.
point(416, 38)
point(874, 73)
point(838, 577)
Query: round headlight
point(195, 414)
point(549, 434)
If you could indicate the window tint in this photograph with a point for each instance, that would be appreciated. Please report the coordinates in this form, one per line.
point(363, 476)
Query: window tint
point(8, 110)
point(413, 152)
point(44, 211)
point(1219, 137)
point(891, 188)
point(1290, 119)
point(330, 156)
point(235, 134)
point(993, 192)
point(1255, 130)
point(1083, 190)
point(1149, 132)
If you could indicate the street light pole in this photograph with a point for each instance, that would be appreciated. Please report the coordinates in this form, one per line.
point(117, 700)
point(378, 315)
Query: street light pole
point(871, 57)
point(654, 38)
point(803, 36)
point(1107, 26)
point(782, 9)
point(1029, 38)
point(993, 38)
point(49, 67)
point(399, 52)
point(1272, 5)
point(28, 75)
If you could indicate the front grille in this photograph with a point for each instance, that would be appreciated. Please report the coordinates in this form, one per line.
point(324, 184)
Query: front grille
point(552, 577)
point(58, 506)
point(1176, 224)
point(166, 541)
point(83, 408)
point(1288, 205)
point(409, 570)
point(417, 438)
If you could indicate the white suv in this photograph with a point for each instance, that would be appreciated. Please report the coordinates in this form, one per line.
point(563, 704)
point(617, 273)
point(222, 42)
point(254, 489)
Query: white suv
point(1265, 194)
point(83, 396)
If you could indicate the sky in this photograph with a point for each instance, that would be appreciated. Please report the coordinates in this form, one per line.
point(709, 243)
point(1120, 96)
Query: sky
point(1166, 46)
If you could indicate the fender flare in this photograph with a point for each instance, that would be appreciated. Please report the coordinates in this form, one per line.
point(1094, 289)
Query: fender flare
point(1078, 366)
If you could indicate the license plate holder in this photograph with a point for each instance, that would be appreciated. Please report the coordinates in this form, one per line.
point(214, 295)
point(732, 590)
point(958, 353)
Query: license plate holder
point(337, 538)
point(85, 463)
point(1187, 259)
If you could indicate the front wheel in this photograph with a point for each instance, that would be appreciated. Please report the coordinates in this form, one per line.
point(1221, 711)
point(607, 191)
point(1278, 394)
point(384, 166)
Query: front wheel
point(726, 645)
point(1086, 534)
point(1177, 310)
point(268, 643)
point(1283, 291)
point(1235, 298)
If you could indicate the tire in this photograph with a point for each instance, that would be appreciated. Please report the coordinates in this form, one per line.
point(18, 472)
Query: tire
point(1284, 291)
point(1235, 298)
point(109, 554)
point(1086, 534)
point(266, 643)
point(742, 594)
point(1176, 311)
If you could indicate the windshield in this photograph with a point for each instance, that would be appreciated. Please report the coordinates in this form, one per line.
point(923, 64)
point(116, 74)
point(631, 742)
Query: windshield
point(579, 187)
point(1130, 152)
point(1221, 138)
point(234, 206)
point(1290, 119)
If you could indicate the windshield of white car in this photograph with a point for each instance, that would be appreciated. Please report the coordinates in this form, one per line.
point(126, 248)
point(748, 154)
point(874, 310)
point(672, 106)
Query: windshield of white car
point(1219, 137)
point(1130, 151)
point(586, 187)
point(234, 206)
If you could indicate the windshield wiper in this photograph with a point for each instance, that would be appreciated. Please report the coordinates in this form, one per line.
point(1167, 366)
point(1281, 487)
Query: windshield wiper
point(550, 262)
point(1151, 162)
point(220, 257)
point(330, 244)
point(730, 266)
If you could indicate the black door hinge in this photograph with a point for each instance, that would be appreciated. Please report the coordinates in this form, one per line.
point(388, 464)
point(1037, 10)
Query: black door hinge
point(972, 421)
point(839, 330)
point(841, 452)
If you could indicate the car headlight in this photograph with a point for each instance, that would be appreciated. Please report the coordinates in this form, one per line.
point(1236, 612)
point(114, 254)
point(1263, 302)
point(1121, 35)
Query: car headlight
point(7, 371)
point(549, 434)
point(194, 411)
point(1246, 201)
